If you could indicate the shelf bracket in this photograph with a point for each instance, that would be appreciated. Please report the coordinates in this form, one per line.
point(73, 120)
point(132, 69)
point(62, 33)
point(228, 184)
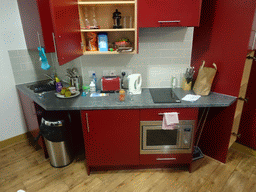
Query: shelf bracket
point(250, 57)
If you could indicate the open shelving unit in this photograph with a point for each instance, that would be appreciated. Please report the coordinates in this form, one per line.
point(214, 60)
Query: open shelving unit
point(104, 13)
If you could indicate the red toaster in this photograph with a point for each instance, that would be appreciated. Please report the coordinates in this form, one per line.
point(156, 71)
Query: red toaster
point(110, 83)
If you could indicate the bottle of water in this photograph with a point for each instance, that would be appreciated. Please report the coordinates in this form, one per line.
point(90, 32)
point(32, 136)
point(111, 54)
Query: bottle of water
point(94, 79)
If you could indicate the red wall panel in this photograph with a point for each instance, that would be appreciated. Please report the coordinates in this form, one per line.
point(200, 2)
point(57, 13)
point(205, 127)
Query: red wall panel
point(222, 38)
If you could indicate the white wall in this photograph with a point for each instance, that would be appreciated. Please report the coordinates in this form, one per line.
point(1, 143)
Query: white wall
point(11, 38)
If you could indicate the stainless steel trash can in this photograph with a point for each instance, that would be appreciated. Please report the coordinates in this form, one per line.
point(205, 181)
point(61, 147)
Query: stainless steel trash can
point(57, 140)
point(59, 153)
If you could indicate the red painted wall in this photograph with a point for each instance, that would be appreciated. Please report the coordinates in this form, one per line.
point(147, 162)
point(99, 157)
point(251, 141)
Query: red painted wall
point(222, 38)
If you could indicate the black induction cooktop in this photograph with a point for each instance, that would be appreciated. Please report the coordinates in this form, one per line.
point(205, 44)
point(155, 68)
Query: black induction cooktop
point(164, 95)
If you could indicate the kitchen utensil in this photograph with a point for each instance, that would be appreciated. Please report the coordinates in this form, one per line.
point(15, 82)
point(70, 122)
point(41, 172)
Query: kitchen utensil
point(117, 18)
point(75, 82)
point(189, 74)
point(134, 83)
point(127, 22)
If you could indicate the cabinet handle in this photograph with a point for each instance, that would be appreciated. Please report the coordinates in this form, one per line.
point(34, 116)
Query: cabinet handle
point(55, 48)
point(165, 159)
point(87, 122)
point(38, 36)
point(174, 21)
point(163, 113)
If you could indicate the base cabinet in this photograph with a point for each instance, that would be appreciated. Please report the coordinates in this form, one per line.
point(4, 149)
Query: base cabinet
point(112, 139)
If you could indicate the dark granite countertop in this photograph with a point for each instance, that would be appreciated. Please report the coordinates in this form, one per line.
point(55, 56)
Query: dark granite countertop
point(49, 101)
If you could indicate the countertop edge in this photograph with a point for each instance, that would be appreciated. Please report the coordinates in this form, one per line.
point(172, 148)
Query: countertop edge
point(144, 101)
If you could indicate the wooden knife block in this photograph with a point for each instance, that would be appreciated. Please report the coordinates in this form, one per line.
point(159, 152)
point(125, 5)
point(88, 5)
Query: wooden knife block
point(186, 86)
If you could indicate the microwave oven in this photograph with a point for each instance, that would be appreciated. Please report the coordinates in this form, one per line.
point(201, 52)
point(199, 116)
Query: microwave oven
point(155, 140)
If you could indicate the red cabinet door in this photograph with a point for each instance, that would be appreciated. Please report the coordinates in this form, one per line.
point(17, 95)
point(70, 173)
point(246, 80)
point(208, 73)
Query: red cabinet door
point(30, 116)
point(157, 13)
point(46, 24)
point(66, 27)
point(111, 137)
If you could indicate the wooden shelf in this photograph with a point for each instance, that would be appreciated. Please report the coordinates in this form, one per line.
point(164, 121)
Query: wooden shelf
point(105, 2)
point(107, 53)
point(107, 30)
point(104, 14)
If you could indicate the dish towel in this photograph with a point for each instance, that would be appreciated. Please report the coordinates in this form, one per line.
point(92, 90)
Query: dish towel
point(170, 120)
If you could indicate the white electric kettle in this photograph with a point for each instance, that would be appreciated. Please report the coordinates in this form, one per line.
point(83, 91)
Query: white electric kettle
point(134, 83)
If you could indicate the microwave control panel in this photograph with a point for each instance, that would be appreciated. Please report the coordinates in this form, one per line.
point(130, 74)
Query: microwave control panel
point(187, 133)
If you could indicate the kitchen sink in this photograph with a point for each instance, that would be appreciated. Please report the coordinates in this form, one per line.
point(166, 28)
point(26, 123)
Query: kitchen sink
point(164, 95)
point(42, 86)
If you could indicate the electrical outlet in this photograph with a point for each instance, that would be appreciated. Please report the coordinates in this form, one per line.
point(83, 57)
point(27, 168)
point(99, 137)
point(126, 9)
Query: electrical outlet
point(90, 73)
point(127, 72)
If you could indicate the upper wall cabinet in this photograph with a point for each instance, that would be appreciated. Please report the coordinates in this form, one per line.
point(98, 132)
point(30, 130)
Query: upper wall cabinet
point(169, 13)
point(60, 25)
point(66, 26)
point(37, 24)
point(54, 25)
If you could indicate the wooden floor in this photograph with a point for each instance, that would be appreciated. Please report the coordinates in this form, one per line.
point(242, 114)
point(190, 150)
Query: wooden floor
point(21, 167)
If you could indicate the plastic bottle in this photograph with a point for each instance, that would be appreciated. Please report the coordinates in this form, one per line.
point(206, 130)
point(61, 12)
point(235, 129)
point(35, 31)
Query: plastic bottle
point(92, 87)
point(174, 82)
point(94, 79)
point(58, 84)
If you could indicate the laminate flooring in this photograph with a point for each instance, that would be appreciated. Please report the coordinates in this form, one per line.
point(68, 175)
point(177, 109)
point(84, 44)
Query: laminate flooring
point(22, 167)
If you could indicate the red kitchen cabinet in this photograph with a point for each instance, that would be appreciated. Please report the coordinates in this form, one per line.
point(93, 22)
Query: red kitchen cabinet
point(43, 18)
point(66, 25)
point(111, 137)
point(37, 24)
point(156, 114)
point(173, 158)
point(160, 13)
point(30, 115)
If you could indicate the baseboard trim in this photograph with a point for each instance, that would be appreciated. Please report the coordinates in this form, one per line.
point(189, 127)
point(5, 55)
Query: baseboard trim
point(14, 140)
point(244, 149)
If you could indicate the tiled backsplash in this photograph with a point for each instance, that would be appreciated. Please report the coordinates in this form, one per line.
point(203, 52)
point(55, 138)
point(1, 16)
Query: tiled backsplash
point(163, 53)
point(27, 67)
